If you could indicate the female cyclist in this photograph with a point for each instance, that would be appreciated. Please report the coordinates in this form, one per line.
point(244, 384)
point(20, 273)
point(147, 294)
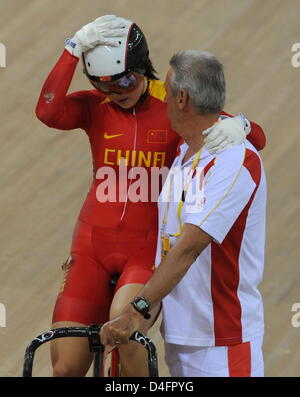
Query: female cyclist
point(125, 120)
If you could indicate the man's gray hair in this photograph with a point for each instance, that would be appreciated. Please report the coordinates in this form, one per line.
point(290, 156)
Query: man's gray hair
point(201, 75)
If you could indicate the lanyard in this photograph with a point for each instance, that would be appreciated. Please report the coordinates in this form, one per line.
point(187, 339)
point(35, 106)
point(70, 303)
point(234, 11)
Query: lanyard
point(184, 191)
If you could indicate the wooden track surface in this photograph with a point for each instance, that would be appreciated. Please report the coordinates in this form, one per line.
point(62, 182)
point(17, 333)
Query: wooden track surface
point(45, 174)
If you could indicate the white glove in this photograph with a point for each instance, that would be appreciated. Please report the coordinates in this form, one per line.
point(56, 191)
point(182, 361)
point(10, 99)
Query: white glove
point(226, 133)
point(99, 32)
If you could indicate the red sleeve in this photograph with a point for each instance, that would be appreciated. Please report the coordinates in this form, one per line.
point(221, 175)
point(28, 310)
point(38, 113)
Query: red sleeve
point(57, 109)
point(256, 136)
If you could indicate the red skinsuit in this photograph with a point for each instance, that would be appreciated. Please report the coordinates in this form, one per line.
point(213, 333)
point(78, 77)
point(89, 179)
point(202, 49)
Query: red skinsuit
point(116, 237)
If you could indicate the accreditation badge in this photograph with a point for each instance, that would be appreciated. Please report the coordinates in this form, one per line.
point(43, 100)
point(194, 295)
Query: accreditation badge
point(165, 245)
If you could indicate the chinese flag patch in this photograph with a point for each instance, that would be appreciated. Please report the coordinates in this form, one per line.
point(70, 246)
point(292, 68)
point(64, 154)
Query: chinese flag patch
point(157, 136)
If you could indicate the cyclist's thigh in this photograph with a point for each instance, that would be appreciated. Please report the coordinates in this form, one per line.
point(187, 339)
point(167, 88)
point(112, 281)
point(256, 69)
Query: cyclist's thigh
point(86, 293)
point(137, 270)
point(136, 273)
point(84, 299)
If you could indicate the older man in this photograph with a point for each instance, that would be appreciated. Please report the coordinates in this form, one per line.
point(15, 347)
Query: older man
point(210, 252)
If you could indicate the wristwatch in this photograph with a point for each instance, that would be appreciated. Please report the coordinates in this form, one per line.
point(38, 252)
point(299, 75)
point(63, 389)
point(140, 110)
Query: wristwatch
point(141, 305)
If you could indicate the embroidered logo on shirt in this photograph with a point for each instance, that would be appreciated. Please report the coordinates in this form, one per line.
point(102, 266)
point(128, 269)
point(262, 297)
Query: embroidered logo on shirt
point(157, 136)
point(107, 136)
point(49, 96)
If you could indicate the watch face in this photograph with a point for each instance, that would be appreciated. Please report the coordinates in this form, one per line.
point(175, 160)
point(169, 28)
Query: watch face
point(142, 304)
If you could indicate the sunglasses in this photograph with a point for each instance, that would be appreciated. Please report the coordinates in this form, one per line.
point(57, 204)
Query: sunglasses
point(125, 84)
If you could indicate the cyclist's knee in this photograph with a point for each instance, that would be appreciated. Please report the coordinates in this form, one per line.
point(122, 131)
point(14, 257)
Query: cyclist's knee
point(133, 360)
point(60, 371)
point(65, 370)
point(129, 353)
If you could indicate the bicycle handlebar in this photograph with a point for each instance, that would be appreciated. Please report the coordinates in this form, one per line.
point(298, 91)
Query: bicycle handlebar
point(91, 332)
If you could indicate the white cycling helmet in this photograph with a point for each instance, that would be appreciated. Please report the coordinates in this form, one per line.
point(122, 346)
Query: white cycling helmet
point(105, 63)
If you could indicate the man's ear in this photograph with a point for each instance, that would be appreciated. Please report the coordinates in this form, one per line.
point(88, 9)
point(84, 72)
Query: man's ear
point(182, 99)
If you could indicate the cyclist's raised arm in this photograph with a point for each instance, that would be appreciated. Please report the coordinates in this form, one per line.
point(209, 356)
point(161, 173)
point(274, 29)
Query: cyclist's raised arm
point(55, 108)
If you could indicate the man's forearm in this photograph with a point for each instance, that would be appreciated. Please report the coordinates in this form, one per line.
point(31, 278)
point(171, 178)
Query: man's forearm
point(176, 263)
point(167, 276)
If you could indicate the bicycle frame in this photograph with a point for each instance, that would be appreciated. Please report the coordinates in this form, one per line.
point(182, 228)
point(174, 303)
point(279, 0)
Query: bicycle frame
point(92, 333)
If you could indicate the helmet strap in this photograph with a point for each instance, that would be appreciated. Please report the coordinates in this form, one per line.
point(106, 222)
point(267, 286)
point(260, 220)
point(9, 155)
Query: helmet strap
point(145, 93)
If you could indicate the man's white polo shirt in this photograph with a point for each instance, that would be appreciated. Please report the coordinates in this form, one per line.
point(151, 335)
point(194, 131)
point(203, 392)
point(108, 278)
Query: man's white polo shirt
point(217, 303)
